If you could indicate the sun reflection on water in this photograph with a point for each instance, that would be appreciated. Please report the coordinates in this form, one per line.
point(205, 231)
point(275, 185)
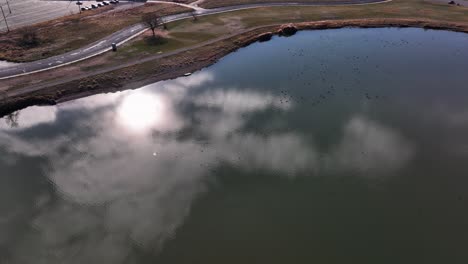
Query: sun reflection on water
point(140, 111)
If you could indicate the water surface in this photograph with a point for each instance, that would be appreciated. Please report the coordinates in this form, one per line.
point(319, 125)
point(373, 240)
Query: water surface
point(335, 146)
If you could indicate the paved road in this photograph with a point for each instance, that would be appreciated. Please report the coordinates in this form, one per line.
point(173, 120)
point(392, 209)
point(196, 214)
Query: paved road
point(124, 35)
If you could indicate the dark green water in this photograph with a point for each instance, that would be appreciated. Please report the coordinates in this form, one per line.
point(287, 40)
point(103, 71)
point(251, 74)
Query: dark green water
point(336, 146)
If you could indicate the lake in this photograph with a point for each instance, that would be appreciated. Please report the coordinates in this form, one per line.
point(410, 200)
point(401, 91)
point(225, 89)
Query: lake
point(333, 146)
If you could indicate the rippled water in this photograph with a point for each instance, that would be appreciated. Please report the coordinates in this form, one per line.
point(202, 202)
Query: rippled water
point(336, 146)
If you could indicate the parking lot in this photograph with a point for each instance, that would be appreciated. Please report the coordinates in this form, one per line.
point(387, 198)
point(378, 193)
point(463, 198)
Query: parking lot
point(28, 12)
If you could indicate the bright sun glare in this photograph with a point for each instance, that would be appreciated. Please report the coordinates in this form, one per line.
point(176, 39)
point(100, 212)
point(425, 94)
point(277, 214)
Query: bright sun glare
point(140, 111)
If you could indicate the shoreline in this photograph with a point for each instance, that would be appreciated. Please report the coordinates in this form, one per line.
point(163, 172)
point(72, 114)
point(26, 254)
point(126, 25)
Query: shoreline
point(193, 59)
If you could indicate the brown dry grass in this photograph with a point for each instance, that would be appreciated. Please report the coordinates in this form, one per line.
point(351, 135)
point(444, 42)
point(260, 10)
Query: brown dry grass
point(220, 3)
point(71, 32)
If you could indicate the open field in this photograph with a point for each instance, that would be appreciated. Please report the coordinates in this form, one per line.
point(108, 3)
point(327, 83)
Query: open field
point(71, 32)
point(271, 15)
point(220, 3)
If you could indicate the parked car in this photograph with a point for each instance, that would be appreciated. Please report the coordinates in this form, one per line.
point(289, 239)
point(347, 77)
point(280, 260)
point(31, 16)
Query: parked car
point(94, 6)
point(100, 5)
point(84, 8)
point(105, 3)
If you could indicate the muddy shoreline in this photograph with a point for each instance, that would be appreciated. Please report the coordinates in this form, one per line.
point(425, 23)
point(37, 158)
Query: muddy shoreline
point(135, 76)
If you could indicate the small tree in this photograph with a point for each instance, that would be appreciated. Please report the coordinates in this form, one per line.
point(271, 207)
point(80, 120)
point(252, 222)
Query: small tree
point(194, 15)
point(28, 37)
point(12, 119)
point(152, 21)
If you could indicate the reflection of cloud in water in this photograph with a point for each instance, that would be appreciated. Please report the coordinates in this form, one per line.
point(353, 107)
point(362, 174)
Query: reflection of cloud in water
point(120, 190)
point(94, 102)
point(142, 111)
point(367, 145)
point(29, 148)
point(453, 115)
point(232, 101)
point(177, 89)
point(141, 196)
point(285, 153)
point(29, 117)
point(231, 105)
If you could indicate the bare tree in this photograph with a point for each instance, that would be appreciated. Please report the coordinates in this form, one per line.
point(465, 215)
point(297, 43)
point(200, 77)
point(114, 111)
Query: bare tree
point(152, 21)
point(12, 119)
point(28, 37)
point(194, 15)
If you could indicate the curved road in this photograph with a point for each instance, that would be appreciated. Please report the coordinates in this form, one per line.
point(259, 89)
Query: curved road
point(128, 33)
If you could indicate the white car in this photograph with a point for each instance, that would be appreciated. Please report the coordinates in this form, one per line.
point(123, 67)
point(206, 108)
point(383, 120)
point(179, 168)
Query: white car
point(94, 6)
